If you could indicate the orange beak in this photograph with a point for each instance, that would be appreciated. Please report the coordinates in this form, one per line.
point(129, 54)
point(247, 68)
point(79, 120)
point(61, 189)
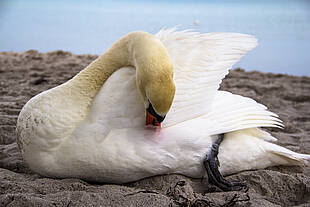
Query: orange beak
point(151, 120)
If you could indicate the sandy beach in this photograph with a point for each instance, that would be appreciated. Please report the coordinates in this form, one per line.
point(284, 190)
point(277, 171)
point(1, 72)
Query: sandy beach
point(23, 75)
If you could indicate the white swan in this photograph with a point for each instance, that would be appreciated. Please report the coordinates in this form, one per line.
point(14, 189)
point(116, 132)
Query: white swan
point(93, 126)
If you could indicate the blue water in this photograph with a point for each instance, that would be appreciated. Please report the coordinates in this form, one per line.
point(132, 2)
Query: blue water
point(282, 26)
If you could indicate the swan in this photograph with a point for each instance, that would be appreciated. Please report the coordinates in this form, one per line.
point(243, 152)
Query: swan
point(93, 127)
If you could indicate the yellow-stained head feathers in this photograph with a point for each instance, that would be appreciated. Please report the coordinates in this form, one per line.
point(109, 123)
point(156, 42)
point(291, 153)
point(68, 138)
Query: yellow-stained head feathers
point(160, 91)
point(155, 75)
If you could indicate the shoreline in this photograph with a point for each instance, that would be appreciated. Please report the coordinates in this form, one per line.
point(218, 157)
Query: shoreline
point(65, 52)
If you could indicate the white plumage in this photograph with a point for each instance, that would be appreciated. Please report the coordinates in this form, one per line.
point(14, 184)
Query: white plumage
point(200, 63)
point(109, 143)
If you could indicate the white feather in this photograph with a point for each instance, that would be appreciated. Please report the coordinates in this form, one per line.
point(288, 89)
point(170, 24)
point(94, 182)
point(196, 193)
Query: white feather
point(200, 62)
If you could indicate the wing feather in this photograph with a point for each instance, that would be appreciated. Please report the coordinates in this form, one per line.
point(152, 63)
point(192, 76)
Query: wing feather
point(232, 112)
point(200, 63)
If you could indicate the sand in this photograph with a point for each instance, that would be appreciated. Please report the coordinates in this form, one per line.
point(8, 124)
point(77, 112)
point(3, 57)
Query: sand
point(23, 75)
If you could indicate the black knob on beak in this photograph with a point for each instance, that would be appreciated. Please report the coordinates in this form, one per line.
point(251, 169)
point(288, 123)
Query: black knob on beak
point(152, 117)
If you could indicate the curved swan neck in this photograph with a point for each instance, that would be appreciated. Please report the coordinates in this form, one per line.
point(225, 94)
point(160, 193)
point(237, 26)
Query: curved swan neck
point(138, 49)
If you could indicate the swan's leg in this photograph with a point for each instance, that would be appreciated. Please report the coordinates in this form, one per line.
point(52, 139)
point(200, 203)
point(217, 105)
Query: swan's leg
point(211, 164)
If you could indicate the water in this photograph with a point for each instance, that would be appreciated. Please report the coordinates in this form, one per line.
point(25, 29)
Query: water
point(282, 26)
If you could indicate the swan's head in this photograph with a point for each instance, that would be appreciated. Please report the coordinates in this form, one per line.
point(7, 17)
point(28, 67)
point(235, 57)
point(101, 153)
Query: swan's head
point(157, 89)
point(154, 76)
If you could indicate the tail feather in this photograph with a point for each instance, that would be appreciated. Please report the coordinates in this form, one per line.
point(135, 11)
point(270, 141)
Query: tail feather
point(278, 155)
point(250, 149)
point(293, 158)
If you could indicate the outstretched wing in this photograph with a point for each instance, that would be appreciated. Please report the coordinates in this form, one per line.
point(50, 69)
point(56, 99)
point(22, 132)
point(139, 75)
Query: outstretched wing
point(200, 62)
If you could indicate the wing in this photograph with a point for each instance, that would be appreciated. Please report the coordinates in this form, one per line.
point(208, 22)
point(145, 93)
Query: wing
point(200, 62)
point(230, 112)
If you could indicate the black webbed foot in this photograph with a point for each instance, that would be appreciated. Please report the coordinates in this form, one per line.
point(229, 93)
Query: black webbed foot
point(211, 164)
